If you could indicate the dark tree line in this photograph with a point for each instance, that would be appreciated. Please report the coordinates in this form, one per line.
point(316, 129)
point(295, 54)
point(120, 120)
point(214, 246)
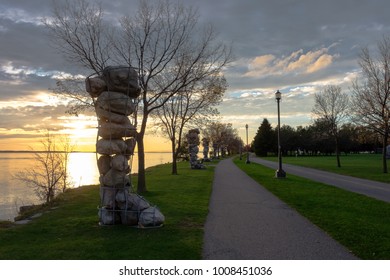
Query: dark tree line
point(314, 140)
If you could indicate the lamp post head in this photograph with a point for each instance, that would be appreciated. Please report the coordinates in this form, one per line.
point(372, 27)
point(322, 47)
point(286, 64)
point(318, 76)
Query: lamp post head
point(246, 126)
point(278, 95)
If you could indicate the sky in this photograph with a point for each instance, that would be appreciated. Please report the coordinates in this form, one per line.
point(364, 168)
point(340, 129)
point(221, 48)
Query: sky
point(295, 46)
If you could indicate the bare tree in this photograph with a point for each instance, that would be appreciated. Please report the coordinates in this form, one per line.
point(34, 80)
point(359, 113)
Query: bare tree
point(222, 136)
point(229, 139)
point(332, 108)
point(172, 54)
point(162, 40)
point(371, 103)
point(72, 90)
point(66, 148)
point(78, 31)
point(192, 106)
point(49, 175)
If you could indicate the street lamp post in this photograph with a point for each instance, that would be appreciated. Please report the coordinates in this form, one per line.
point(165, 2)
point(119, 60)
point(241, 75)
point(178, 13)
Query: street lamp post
point(280, 172)
point(247, 150)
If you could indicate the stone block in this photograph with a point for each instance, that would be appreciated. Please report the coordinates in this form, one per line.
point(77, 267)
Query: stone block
point(131, 201)
point(115, 131)
point(120, 163)
point(104, 164)
point(107, 116)
point(110, 147)
point(108, 216)
point(107, 197)
point(117, 179)
point(151, 217)
point(95, 86)
point(116, 102)
point(122, 79)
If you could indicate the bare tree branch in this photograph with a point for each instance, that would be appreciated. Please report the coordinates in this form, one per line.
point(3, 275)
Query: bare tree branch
point(49, 175)
point(332, 108)
point(163, 40)
point(372, 92)
point(78, 31)
point(192, 105)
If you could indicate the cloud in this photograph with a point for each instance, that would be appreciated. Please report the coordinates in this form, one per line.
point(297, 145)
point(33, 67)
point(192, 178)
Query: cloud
point(28, 118)
point(262, 61)
point(19, 15)
point(320, 63)
point(295, 63)
point(277, 46)
point(252, 94)
point(32, 121)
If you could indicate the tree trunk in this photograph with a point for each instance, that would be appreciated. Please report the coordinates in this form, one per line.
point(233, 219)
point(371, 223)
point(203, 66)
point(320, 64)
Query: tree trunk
point(174, 163)
point(50, 195)
point(384, 150)
point(338, 152)
point(174, 157)
point(141, 187)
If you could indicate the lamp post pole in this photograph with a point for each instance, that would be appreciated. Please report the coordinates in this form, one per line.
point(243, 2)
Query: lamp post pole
point(280, 172)
point(247, 150)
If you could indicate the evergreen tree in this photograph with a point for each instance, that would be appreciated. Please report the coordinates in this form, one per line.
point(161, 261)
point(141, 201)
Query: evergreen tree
point(264, 141)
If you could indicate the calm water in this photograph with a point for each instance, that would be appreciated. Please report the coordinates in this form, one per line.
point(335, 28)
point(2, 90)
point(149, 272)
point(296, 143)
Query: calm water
point(82, 169)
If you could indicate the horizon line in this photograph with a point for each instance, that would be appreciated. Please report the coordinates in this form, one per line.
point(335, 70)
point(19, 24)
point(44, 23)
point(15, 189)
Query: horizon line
point(30, 151)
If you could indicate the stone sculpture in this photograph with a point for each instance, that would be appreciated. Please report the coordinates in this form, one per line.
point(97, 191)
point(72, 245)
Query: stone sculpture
point(205, 144)
point(193, 149)
point(114, 92)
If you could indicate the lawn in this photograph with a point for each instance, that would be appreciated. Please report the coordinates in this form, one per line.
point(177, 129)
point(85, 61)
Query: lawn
point(360, 223)
point(71, 231)
point(367, 166)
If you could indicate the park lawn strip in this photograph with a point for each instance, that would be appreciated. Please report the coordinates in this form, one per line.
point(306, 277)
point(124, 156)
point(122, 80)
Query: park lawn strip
point(360, 223)
point(71, 230)
point(365, 166)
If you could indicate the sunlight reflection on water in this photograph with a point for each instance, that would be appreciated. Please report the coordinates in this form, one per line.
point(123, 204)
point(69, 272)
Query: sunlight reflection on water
point(82, 169)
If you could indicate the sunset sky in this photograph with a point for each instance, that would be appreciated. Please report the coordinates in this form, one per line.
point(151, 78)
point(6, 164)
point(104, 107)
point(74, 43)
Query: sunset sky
point(296, 46)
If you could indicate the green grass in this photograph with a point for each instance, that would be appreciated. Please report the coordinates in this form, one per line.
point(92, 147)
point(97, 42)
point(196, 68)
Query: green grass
point(360, 223)
point(366, 166)
point(71, 231)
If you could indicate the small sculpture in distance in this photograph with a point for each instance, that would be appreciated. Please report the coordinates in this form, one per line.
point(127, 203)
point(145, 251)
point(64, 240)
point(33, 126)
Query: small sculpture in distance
point(193, 149)
point(205, 144)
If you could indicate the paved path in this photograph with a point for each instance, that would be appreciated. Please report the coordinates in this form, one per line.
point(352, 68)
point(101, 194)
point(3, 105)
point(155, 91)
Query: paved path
point(246, 221)
point(369, 188)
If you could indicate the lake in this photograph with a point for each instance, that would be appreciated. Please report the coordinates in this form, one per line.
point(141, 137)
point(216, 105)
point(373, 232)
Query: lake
point(82, 169)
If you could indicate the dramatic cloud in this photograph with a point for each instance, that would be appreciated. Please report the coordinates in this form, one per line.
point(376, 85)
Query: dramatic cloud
point(32, 117)
point(294, 46)
point(297, 62)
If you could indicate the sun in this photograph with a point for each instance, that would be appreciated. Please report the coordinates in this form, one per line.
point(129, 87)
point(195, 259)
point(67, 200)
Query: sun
point(83, 169)
point(81, 130)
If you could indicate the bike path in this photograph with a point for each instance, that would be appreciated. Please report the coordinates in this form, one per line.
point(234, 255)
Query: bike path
point(374, 189)
point(247, 222)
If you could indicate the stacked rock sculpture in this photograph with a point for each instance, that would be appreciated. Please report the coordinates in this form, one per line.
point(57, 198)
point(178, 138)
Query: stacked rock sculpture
point(114, 92)
point(205, 144)
point(193, 149)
